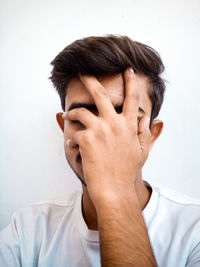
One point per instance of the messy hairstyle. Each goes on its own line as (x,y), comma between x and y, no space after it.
(97,55)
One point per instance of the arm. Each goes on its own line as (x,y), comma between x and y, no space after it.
(123,235)
(113,149)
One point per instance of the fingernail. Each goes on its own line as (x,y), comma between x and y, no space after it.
(131,70)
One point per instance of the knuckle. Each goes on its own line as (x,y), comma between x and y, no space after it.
(130,81)
(87,137)
(81,110)
(116,125)
(100,129)
(75,112)
(105,128)
(68,116)
(133,94)
(100,91)
(132,89)
(95,126)
(97,130)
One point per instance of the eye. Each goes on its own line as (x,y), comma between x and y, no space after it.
(75,121)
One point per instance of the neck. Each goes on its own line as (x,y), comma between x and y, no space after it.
(89,212)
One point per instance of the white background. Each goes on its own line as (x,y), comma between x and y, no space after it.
(32,160)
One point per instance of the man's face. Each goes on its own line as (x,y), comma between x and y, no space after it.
(78,96)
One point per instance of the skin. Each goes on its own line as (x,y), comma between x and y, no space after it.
(113,147)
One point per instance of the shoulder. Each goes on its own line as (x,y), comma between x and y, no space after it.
(177,209)
(58,205)
(63,200)
(33,227)
(174,197)
(170,208)
(177,223)
(46,214)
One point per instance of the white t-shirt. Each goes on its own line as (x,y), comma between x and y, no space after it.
(54,233)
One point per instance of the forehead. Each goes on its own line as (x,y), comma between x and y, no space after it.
(114,84)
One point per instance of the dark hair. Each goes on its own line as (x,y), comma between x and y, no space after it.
(111,54)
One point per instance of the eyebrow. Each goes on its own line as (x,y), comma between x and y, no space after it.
(93,107)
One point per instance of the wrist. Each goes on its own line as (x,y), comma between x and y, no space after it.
(117,201)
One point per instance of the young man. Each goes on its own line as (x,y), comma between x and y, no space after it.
(111,92)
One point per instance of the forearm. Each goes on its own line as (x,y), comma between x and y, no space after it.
(123,234)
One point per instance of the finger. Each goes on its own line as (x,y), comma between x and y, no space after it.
(82,115)
(75,139)
(131,101)
(99,95)
(70,143)
(144,133)
(144,125)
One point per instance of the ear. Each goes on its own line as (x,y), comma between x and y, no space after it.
(156,129)
(60,120)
